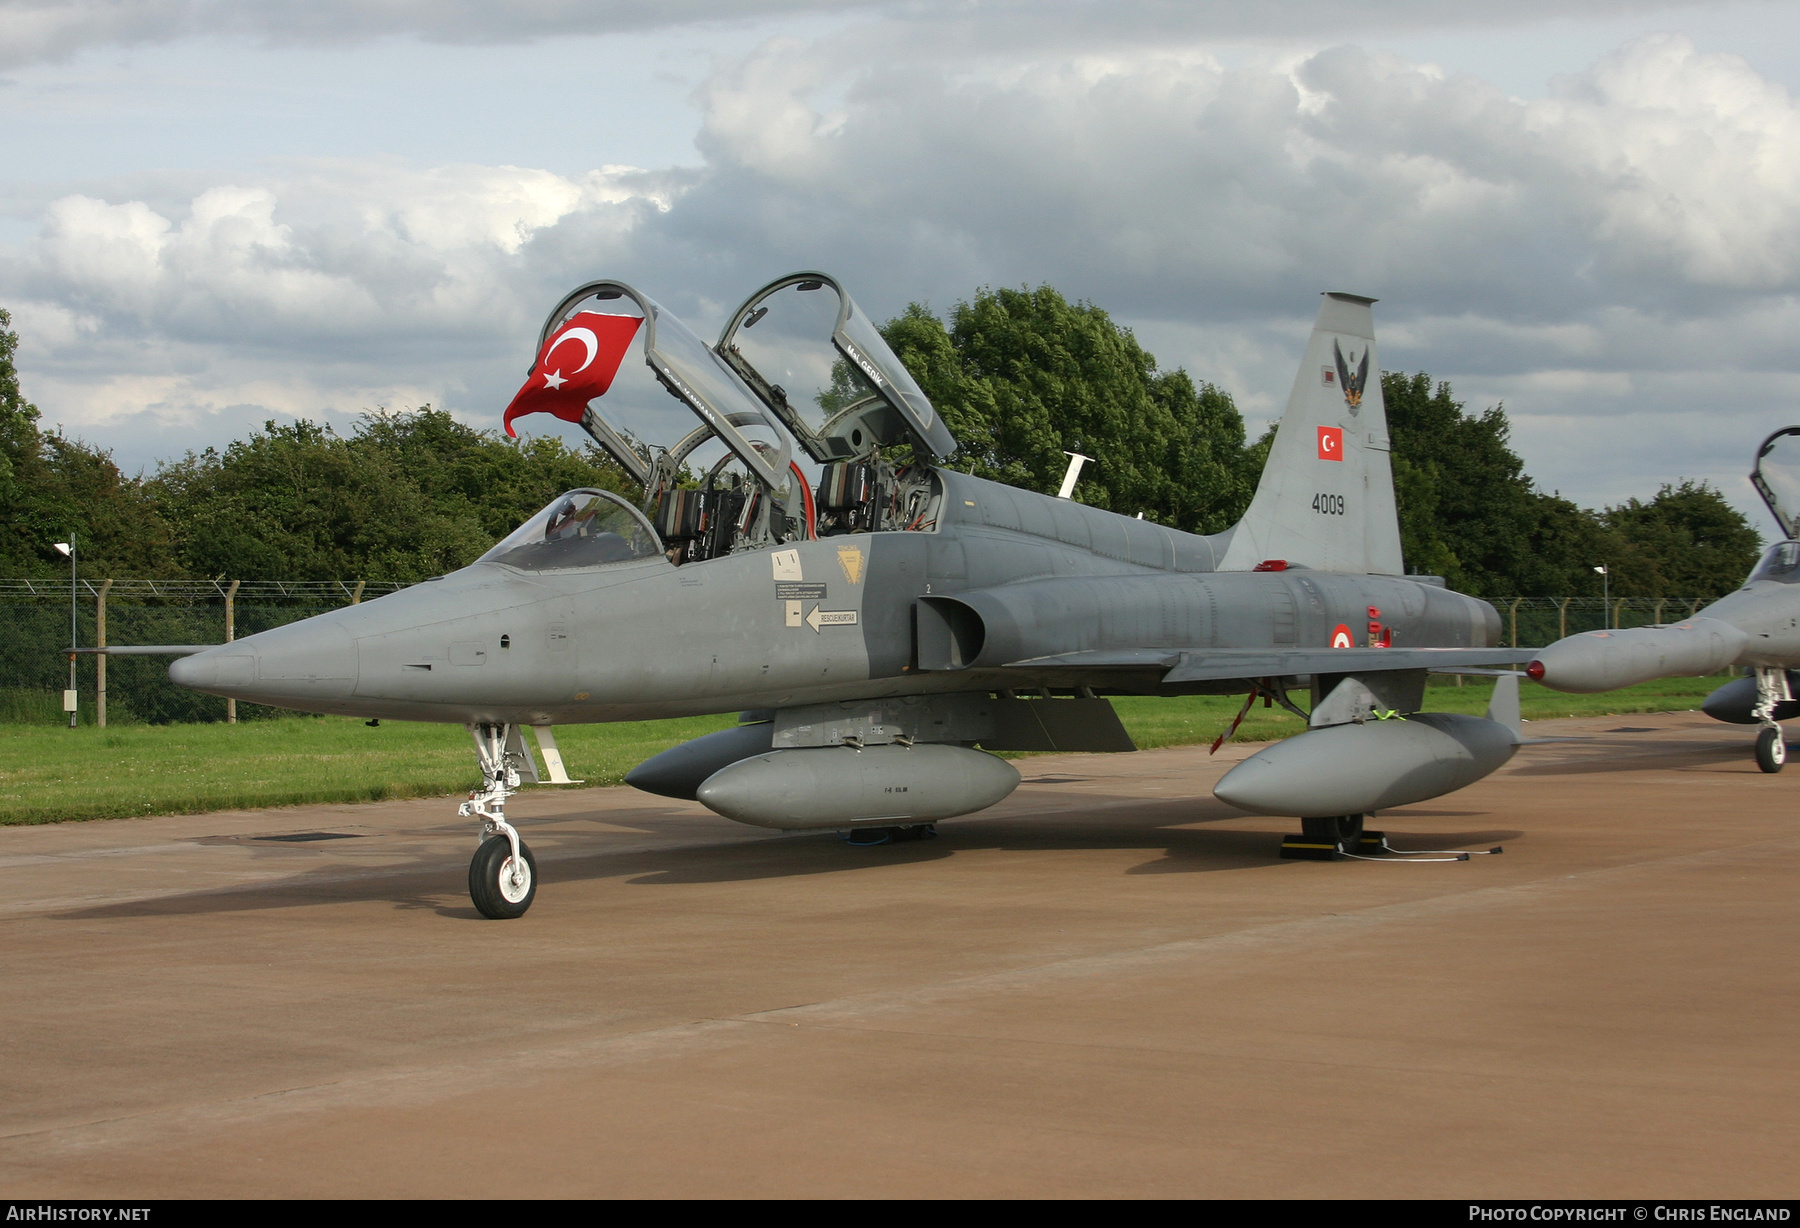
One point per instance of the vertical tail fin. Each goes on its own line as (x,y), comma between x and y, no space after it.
(1326,499)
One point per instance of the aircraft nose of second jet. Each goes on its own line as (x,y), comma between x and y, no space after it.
(314,659)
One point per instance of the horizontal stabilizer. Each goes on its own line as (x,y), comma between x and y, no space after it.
(143,650)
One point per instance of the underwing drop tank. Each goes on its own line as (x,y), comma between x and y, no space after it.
(1363,767)
(1607,660)
(681,770)
(840,786)
(1735,702)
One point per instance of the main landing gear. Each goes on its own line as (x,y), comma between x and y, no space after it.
(503,874)
(1331,837)
(868,837)
(1771,746)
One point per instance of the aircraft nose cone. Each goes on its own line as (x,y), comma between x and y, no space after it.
(310,660)
(195,671)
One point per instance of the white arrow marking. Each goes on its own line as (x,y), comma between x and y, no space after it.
(830,618)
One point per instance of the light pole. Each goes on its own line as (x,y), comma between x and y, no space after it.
(1606,593)
(68,548)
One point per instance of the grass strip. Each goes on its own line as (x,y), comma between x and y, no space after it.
(50,773)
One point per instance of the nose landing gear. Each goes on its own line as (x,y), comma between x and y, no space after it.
(1771,745)
(503,873)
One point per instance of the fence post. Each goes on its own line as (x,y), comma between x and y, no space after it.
(100,657)
(1562,618)
(231,634)
(1515,620)
(1657,617)
(356,597)
(1618,607)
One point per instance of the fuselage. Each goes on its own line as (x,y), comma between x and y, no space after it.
(816,621)
(1768,613)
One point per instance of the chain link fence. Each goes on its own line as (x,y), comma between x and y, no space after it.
(34,632)
(1536,621)
(34,638)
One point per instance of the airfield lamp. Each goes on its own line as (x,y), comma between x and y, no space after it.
(1606,593)
(68,548)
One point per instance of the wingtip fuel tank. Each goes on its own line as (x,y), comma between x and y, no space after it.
(1607,660)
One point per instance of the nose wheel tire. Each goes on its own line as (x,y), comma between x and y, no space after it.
(498,892)
(1771,750)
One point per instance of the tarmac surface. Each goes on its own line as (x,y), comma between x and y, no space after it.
(1108,985)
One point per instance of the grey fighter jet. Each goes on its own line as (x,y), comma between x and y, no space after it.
(879,616)
(1757,628)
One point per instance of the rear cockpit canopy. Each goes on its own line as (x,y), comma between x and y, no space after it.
(584,528)
(813,357)
(1776,476)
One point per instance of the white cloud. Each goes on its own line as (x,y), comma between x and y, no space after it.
(335,251)
(36,30)
(1604,253)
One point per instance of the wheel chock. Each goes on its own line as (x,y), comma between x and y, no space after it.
(1307,848)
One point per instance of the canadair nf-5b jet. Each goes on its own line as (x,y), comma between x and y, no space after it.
(1756,628)
(882,621)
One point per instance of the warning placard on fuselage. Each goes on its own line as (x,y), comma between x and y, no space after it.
(798,590)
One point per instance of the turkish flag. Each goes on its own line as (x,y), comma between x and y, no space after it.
(576,365)
(1331,443)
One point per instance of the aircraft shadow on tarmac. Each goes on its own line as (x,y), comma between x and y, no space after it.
(1673,756)
(1177,833)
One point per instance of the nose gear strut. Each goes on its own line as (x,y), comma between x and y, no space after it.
(503,873)
(1771,690)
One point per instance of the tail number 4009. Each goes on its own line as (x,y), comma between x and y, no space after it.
(1328,505)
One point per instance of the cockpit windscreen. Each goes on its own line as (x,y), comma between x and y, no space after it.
(584,528)
(1780,563)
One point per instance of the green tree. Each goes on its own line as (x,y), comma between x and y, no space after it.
(1685,542)
(1021,376)
(1466,505)
(407,496)
(51,485)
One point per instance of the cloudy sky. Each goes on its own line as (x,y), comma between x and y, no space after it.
(212,214)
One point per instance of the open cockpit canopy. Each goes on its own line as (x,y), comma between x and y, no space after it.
(798,361)
(691,372)
(816,359)
(1776,476)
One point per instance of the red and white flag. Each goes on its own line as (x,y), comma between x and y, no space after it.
(576,365)
(1331,443)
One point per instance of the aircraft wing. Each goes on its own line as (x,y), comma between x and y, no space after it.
(1223,664)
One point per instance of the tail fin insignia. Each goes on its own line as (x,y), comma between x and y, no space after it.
(1352,384)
